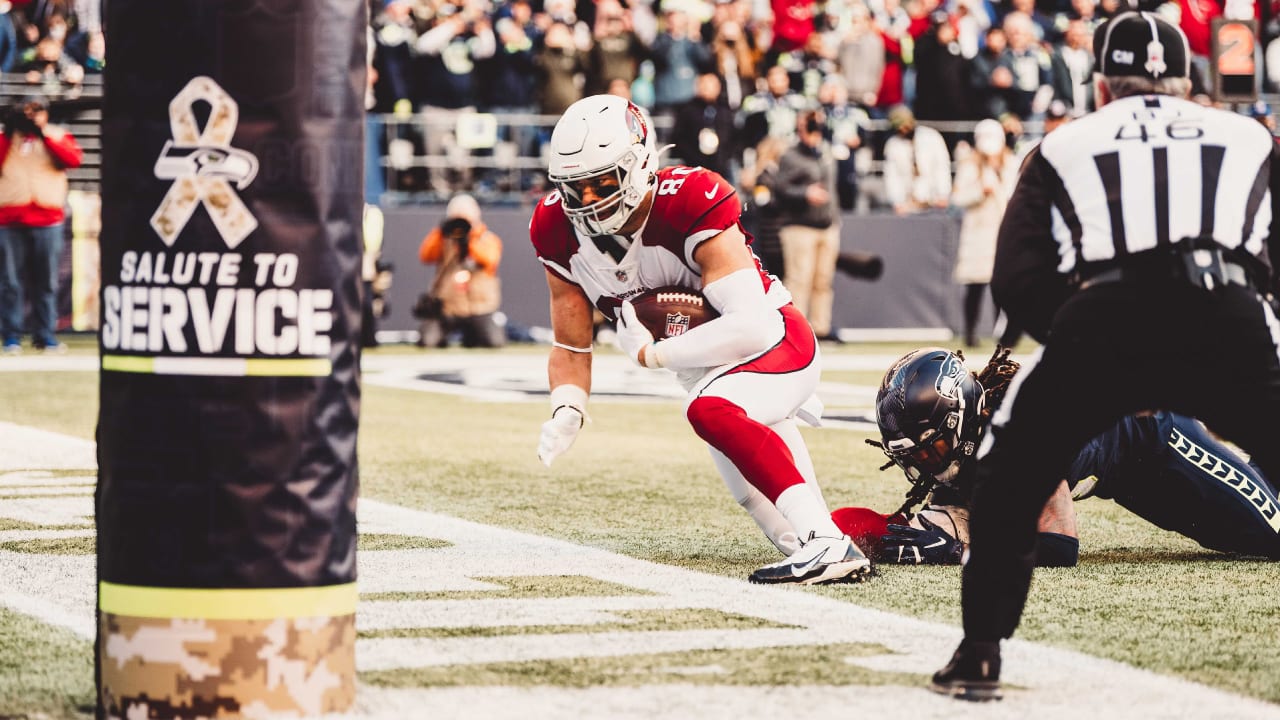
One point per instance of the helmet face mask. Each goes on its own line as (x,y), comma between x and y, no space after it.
(927,410)
(602,141)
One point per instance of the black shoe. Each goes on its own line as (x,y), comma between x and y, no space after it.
(973,673)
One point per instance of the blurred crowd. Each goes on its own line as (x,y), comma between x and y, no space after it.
(52,42)
(729,74)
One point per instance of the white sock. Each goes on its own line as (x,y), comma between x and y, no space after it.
(767,517)
(806,513)
(790,434)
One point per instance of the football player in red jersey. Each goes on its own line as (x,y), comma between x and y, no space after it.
(615,226)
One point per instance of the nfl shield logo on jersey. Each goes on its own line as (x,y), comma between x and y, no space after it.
(677,323)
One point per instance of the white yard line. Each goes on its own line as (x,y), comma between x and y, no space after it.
(1054,683)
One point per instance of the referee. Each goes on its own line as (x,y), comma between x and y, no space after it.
(1136,248)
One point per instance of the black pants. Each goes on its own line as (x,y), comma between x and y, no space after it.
(1114,349)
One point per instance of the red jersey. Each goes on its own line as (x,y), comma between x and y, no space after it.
(690,206)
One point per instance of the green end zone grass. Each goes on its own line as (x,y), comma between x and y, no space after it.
(639,482)
(45,672)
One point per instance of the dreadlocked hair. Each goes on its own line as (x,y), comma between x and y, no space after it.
(995,379)
(878,444)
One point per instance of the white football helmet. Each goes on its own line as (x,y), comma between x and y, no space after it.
(603,135)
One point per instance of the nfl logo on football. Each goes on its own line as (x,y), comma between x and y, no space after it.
(677,323)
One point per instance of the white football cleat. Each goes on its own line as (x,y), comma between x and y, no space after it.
(819,561)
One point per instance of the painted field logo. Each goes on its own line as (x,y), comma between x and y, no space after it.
(202,165)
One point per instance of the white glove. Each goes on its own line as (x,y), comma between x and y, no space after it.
(633,336)
(558,433)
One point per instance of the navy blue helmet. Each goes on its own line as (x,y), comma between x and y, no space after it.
(929,411)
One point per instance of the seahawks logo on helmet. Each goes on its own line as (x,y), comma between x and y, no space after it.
(951,374)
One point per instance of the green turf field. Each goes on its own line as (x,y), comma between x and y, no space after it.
(638,482)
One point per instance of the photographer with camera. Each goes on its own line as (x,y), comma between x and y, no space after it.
(466,291)
(810,232)
(34,157)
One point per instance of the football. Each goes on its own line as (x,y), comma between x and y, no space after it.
(670,311)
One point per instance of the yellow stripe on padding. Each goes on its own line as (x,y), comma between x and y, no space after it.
(227,604)
(218,366)
(289,367)
(128,363)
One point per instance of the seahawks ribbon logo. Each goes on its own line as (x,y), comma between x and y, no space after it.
(203,165)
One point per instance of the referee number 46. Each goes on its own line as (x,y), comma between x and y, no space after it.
(1180,129)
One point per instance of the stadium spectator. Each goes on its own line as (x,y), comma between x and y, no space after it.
(1056,116)
(704,132)
(1087,12)
(9,49)
(810,232)
(861,57)
(772,112)
(749,372)
(972,21)
(95,53)
(459,36)
(34,158)
(619,87)
(917,166)
(984,181)
(942,74)
(466,286)
(46,63)
(678,56)
(846,130)
(617,52)
(1030,79)
(1072,66)
(512,84)
(792,25)
(561,69)
(893,26)
(395,33)
(736,61)
(807,66)
(1043,29)
(991,79)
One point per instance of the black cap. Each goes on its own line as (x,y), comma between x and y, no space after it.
(1140,44)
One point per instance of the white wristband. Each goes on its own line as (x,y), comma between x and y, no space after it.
(568,395)
(651,358)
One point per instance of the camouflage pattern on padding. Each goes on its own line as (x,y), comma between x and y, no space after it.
(162,668)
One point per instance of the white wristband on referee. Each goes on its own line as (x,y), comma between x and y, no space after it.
(571,396)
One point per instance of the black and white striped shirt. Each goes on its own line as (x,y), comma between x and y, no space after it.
(1139,174)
